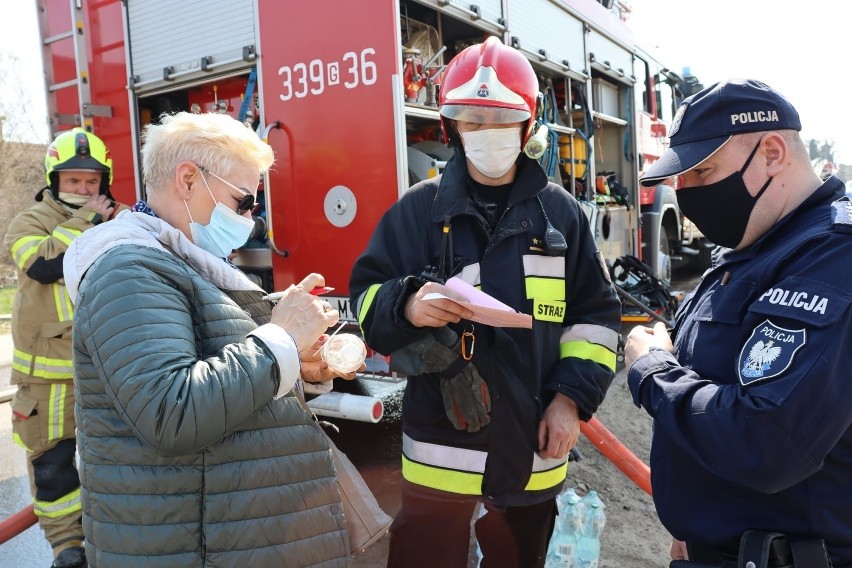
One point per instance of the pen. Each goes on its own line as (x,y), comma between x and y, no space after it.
(317,291)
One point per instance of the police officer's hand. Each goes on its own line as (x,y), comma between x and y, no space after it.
(102,205)
(315,370)
(303,316)
(559,429)
(437,312)
(678,550)
(641,339)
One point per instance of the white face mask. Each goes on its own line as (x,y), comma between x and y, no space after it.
(494,151)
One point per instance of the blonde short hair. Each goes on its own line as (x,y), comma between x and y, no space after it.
(210,140)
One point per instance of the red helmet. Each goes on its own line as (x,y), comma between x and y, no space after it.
(489,82)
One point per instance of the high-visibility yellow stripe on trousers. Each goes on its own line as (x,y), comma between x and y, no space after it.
(460,470)
(56,411)
(48,368)
(63,506)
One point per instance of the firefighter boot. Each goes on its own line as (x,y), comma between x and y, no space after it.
(74,557)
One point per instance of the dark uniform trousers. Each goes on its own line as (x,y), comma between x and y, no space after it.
(513,537)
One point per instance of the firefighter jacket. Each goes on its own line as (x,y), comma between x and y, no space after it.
(571,348)
(194,448)
(751,412)
(37,239)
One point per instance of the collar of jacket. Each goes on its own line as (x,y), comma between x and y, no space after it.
(55,205)
(453,197)
(797,221)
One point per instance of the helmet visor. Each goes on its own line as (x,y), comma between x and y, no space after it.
(484,114)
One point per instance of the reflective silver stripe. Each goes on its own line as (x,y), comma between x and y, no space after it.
(541,464)
(471,274)
(540,265)
(65,234)
(447,457)
(596,334)
(64,307)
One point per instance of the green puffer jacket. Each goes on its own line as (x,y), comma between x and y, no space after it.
(187,457)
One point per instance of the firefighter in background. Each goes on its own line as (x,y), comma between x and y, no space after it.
(79,173)
(489,414)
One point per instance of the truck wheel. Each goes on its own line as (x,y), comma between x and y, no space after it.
(664,257)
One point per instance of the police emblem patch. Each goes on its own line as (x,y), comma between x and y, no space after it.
(768,352)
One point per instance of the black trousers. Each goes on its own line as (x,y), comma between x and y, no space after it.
(432,529)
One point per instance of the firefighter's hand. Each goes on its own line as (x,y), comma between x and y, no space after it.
(315,370)
(437,312)
(559,429)
(641,339)
(678,550)
(102,205)
(303,316)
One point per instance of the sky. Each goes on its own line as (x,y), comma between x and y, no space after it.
(802,50)
(803,53)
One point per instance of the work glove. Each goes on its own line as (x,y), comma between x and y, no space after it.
(466,399)
(433,353)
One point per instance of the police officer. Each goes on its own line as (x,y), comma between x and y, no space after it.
(78,174)
(489,413)
(752,448)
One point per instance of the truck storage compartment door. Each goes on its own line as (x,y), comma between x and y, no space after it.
(191,39)
(331,79)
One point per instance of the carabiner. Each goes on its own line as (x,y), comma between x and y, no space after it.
(467,336)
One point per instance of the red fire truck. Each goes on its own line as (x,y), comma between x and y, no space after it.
(344,91)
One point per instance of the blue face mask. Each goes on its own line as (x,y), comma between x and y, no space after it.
(225,232)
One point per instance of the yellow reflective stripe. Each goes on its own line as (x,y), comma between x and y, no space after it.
(592,333)
(366,303)
(24,248)
(59,508)
(64,307)
(438,478)
(49,368)
(65,235)
(56,412)
(547,479)
(21,361)
(589,352)
(18,440)
(545,288)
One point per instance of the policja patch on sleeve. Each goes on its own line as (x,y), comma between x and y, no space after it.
(768,352)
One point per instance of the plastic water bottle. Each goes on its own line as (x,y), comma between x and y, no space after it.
(563,543)
(588,550)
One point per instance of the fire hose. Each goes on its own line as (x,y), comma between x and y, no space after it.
(605,441)
(17,523)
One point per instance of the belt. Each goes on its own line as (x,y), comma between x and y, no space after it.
(759,549)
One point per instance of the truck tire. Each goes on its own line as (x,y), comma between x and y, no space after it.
(664,256)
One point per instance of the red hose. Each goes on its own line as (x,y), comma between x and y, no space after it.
(616,452)
(17,523)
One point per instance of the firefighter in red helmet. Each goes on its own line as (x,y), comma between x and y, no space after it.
(78,171)
(489,413)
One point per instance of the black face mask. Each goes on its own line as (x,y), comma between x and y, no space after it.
(721,210)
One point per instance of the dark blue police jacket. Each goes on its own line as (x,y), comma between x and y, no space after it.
(752,413)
